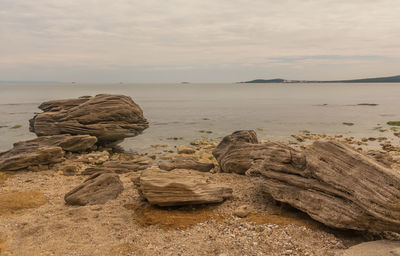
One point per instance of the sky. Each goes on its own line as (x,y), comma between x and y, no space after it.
(156,41)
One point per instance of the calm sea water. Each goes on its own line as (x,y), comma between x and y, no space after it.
(182,110)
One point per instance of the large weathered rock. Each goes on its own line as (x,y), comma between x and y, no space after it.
(180,187)
(23,156)
(237,152)
(97,189)
(330,181)
(77,143)
(185,163)
(110,118)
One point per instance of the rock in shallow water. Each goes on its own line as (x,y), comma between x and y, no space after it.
(110,118)
(330,181)
(97,189)
(180,187)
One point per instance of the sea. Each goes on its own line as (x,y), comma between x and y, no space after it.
(193,111)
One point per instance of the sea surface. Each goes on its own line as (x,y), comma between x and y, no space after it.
(191,111)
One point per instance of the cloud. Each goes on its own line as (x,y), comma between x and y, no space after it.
(87,35)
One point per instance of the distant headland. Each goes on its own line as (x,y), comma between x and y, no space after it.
(389,79)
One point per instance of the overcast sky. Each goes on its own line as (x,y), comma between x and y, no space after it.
(198,40)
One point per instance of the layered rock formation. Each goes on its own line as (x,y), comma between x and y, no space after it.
(21,157)
(180,187)
(77,143)
(43,151)
(110,118)
(330,181)
(97,189)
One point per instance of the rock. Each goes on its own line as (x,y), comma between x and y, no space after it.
(22,156)
(330,181)
(229,153)
(374,248)
(69,170)
(43,151)
(242,211)
(180,187)
(67,142)
(97,189)
(110,118)
(185,163)
(132,165)
(186,150)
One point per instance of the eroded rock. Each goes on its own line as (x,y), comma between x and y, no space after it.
(67,142)
(180,187)
(330,181)
(110,118)
(97,189)
(23,156)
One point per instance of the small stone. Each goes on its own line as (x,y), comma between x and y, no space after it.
(242,211)
(186,150)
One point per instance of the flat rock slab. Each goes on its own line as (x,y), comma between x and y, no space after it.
(375,248)
(23,156)
(110,118)
(185,163)
(43,151)
(329,180)
(180,187)
(97,189)
(67,142)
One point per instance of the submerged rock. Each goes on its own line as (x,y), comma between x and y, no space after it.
(330,181)
(180,187)
(110,118)
(97,189)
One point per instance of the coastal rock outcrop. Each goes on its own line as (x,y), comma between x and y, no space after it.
(329,180)
(110,118)
(97,189)
(43,151)
(21,157)
(67,142)
(180,187)
(185,163)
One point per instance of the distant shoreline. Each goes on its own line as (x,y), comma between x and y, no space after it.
(389,79)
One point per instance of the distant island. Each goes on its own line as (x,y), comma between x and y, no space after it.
(389,79)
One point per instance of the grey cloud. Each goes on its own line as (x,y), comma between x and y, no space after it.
(85,36)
